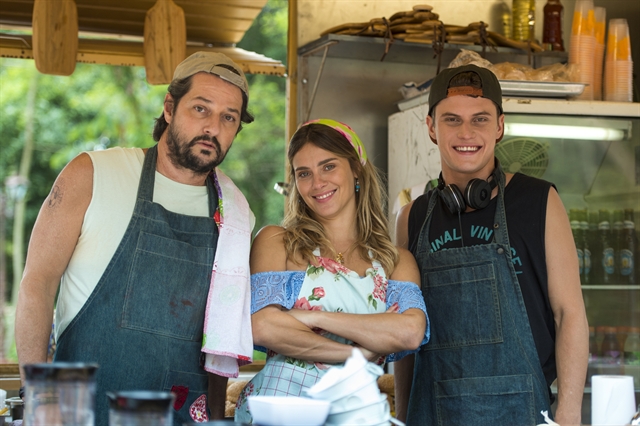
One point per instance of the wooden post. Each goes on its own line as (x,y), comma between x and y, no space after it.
(55,36)
(165,41)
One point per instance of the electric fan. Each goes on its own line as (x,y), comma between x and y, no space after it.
(524,155)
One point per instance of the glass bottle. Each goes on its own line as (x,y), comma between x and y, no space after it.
(585,278)
(627,249)
(574,220)
(616,236)
(593,238)
(522,13)
(552,26)
(607,258)
(611,352)
(632,355)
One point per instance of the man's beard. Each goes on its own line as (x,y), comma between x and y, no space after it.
(181,155)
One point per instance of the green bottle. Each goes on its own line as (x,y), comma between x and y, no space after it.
(607,254)
(593,238)
(627,250)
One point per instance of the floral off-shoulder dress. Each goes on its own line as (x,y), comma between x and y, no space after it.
(328,287)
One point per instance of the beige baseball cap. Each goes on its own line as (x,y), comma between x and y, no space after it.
(211,62)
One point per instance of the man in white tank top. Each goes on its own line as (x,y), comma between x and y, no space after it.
(98,238)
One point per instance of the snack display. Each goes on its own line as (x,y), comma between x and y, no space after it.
(513,71)
(423,25)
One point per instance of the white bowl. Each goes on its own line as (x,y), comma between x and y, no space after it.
(346,385)
(367,394)
(287,410)
(368,414)
(385,422)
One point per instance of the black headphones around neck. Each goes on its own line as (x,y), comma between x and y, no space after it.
(476,195)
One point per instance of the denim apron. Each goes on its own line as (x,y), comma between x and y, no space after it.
(143,322)
(481,366)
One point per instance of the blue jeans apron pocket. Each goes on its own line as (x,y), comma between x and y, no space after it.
(156,285)
(468,299)
(490,401)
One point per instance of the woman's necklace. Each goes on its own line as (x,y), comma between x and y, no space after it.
(340,255)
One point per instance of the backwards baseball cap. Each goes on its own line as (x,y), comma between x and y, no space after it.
(213,63)
(490,86)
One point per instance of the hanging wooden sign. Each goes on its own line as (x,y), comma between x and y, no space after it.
(55,36)
(165,41)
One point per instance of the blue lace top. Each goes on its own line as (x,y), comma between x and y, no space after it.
(283,288)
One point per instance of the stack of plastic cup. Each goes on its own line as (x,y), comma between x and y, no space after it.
(599,30)
(618,67)
(582,45)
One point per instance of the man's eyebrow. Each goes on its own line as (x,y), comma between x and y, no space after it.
(209,101)
(203,99)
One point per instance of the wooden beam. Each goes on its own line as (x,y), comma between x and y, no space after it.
(130,53)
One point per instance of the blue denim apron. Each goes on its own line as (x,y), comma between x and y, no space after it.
(143,322)
(481,366)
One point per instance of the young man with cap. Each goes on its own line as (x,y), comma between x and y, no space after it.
(499,277)
(134,240)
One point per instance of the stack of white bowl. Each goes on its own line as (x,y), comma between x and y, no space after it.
(354,394)
(583,44)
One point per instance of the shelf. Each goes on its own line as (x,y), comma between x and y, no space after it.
(372,49)
(610,287)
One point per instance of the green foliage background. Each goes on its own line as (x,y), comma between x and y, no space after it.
(101,106)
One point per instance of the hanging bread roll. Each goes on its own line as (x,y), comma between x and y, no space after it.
(422,8)
(342,27)
(426,16)
(501,40)
(399,15)
(406,20)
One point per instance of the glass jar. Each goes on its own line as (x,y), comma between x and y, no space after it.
(140,408)
(60,394)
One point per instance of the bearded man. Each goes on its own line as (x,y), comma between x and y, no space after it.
(129,238)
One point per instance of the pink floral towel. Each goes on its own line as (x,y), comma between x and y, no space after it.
(227,341)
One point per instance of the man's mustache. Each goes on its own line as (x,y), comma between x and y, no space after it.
(206,138)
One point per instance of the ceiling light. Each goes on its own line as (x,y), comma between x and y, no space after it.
(564,132)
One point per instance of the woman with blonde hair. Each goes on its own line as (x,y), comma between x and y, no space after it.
(319,282)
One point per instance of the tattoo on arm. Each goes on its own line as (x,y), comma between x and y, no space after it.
(55,196)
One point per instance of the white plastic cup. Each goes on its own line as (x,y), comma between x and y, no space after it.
(612,400)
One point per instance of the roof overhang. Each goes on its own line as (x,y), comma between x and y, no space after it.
(111,31)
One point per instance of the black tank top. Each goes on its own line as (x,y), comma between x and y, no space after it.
(526,209)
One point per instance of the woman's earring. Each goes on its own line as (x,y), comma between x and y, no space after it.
(357,185)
